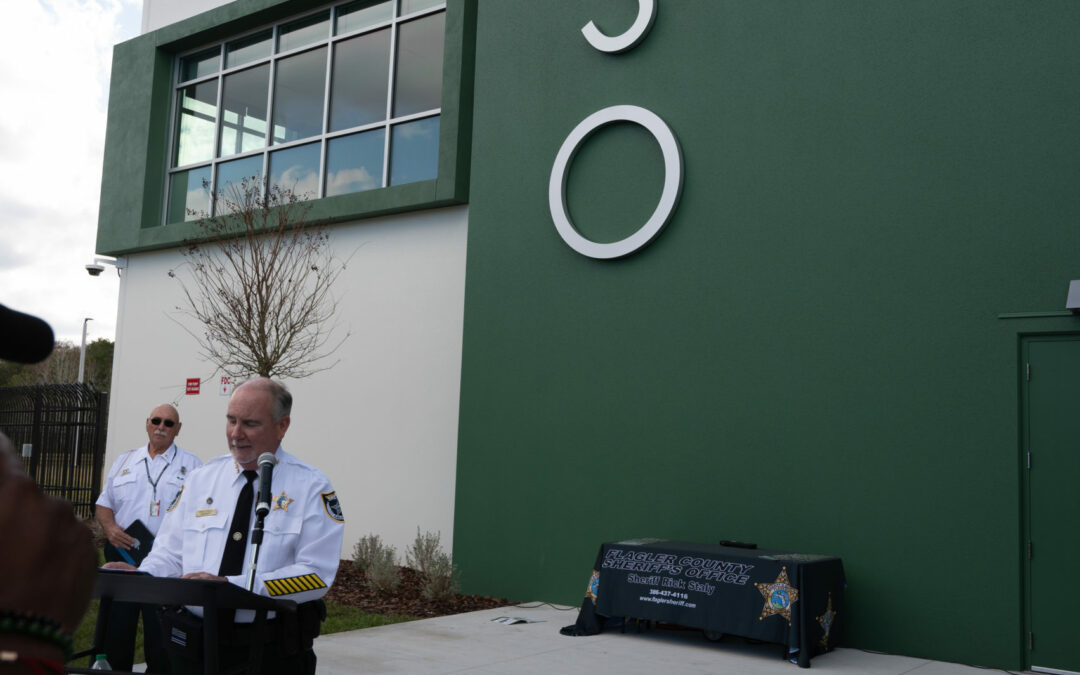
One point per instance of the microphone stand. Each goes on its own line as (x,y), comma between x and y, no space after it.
(256,542)
(262,507)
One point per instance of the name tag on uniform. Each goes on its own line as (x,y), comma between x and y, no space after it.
(205,512)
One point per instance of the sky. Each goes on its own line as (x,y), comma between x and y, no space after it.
(55,58)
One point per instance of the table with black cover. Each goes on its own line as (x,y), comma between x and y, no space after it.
(791,599)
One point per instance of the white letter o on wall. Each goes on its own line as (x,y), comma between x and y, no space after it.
(669,197)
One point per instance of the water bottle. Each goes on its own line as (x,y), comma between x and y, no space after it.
(101,663)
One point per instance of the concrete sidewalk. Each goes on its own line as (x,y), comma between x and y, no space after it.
(472,643)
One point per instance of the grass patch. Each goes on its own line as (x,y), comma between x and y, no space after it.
(339,618)
(84,637)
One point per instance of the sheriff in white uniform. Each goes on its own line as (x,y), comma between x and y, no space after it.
(302,538)
(140,486)
(302,534)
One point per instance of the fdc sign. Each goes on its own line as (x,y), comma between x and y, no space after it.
(669,148)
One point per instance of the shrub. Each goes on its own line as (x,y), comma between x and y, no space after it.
(421,555)
(378,561)
(441,581)
(439,574)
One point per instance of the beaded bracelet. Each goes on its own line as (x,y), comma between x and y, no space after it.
(37,627)
(38,666)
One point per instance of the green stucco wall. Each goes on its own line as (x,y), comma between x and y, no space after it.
(815,354)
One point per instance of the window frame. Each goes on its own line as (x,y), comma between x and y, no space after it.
(138,152)
(329,42)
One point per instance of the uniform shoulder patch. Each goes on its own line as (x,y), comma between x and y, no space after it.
(333,506)
(304,582)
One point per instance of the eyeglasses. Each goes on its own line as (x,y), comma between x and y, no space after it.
(154,421)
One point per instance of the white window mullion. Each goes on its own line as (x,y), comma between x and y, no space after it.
(394,27)
(330,45)
(174,121)
(217,129)
(271,86)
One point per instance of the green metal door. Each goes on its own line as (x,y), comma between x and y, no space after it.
(1051,461)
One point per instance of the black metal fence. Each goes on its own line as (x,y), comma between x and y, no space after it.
(59,429)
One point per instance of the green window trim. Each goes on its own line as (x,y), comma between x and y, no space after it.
(134,175)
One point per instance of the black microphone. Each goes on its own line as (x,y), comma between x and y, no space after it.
(266,471)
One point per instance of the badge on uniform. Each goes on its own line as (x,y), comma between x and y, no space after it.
(205,512)
(282,502)
(176,500)
(333,506)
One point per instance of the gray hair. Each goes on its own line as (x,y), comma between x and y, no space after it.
(281,395)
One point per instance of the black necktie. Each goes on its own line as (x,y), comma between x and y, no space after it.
(232,560)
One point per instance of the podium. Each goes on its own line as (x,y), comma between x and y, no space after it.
(123,586)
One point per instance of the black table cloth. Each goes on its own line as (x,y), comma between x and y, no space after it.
(791,599)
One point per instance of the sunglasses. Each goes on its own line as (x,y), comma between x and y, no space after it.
(154,421)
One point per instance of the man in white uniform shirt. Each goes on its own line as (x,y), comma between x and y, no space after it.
(300,551)
(139,489)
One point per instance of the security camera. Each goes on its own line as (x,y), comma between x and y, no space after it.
(94,269)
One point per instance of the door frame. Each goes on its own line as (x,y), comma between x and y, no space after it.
(1025,340)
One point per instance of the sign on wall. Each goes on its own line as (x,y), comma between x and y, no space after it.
(669,148)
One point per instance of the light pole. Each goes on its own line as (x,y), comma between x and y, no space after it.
(82,350)
(82,369)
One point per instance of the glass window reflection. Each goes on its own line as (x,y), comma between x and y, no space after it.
(362,14)
(246,50)
(355,163)
(297,169)
(229,177)
(306,31)
(264,103)
(199,65)
(298,96)
(418,86)
(243,118)
(414,151)
(360,79)
(189,195)
(410,6)
(197,117)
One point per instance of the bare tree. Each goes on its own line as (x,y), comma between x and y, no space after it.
(260,282)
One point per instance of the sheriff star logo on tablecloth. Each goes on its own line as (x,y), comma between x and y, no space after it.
(594,585)
(779,596)
(282,502)
(826,620)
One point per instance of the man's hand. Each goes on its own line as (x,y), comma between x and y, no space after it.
(203,575)
(113,532)
(118,538)
(118,566)
(50,564)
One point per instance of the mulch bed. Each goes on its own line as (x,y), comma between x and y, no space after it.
(350,588)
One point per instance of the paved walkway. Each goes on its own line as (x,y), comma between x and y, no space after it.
(473,643)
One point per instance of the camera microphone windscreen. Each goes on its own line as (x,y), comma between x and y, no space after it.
(24,338)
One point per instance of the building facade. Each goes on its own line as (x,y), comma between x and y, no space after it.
(789,273)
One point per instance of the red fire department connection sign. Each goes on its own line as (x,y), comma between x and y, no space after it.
(193,385)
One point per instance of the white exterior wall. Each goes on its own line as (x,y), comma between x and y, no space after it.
(158,13)
(382,423)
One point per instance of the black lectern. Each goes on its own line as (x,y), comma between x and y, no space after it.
(126,586)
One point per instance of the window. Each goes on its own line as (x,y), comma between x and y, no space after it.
(341,100)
